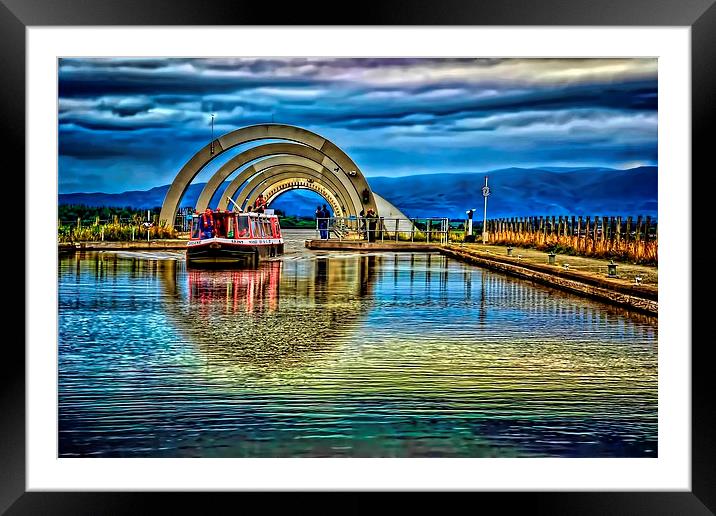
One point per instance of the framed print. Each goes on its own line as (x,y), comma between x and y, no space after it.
(413,252)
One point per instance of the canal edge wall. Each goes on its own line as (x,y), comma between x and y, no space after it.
(611,295)
(69,247)
(641,298)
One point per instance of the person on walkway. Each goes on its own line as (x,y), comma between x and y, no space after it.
(326,216)
(372,223)
(319,221)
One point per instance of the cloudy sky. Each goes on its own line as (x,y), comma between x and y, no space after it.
(130,124)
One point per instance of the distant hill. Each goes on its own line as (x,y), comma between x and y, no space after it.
(519,192)
(514,192)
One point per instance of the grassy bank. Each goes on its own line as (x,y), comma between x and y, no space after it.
(112,232)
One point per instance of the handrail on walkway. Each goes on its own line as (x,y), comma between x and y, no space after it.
(374,229)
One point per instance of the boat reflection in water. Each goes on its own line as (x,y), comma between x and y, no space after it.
(243,290)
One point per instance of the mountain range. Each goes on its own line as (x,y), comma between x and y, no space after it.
(514,192)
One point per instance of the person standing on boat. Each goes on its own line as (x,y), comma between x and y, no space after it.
(260,204)
(206,224)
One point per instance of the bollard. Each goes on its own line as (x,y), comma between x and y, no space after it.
(612,268)
(551,258)
(509,251)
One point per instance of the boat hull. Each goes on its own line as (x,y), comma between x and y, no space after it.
(228,253)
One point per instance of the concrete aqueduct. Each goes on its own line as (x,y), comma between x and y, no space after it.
(303,160)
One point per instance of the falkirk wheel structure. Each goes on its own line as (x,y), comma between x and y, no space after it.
(293,158)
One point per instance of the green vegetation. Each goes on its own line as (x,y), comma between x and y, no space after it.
(120,224)
(71,212)
(296,222)
(113,233)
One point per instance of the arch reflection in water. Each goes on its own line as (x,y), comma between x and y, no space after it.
(280,315)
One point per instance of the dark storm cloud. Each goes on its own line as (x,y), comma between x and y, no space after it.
(151,114)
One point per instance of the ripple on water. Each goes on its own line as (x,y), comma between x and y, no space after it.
(360,355)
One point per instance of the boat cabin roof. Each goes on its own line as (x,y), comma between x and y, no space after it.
(254,214)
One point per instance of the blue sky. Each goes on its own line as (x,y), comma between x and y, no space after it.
(130,124)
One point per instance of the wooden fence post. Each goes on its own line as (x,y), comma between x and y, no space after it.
(587,234)
(596,232)
(605,227)
(638,228)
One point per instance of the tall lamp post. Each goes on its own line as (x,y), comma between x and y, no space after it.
(485,194)
(212,134)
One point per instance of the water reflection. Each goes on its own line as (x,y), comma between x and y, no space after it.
(245,290)
(359,355)
(280,315)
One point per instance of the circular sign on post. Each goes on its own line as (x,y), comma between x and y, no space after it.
(485,191)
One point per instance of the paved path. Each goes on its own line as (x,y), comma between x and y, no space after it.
(625,271)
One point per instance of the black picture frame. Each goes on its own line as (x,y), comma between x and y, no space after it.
(699,15)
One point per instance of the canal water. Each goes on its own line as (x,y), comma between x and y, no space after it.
(344,355)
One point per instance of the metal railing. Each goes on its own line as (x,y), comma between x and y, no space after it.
(381,229)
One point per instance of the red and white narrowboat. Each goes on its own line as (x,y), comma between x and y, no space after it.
(227,238)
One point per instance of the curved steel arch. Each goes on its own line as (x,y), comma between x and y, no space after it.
(281,173)
(280,187)
(252,133)
(298,181)
(336,189)
(351,196)
(254,153)
(264,180)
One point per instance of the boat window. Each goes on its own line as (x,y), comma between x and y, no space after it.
(276,228)
(194,228)
(256,228)
(218,224)
(230,225)
(243,227)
